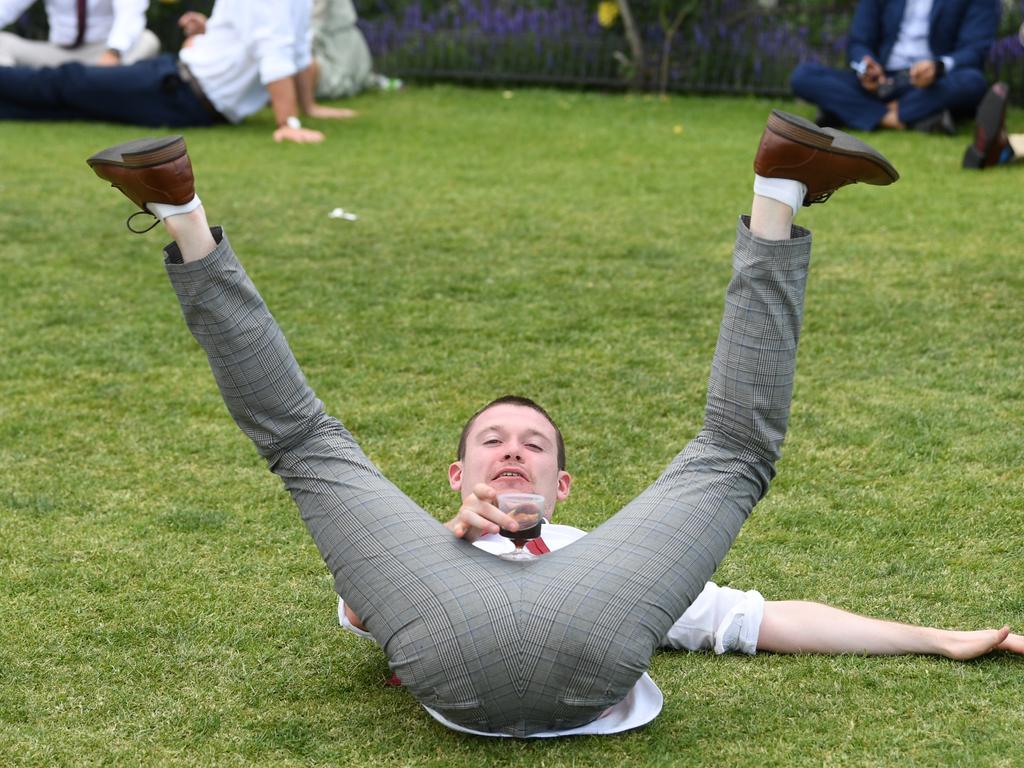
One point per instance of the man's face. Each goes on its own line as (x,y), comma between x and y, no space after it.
(511,448)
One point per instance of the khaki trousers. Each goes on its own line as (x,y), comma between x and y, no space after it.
(18,52)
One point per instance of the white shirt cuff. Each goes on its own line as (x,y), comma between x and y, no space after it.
(277,66)
(125,31)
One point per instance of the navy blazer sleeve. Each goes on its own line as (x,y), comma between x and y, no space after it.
(964,30)
(866,31)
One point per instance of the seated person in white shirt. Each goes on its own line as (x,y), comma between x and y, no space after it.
(342,64)
(721,619)
(104,32)
(252,52)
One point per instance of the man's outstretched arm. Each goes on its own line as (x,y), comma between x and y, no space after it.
(797,626)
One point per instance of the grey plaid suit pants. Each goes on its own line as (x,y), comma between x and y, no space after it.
(493,645)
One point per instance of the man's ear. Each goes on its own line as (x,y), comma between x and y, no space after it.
(455,476)
(564,483)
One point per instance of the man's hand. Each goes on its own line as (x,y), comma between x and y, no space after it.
(922,73)
(298,135)
(109,58)
(478,515)
(872,76)
(330,113)
(192,23)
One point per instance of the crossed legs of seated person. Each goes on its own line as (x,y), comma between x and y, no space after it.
(451,617)
(16,51)
(877,100)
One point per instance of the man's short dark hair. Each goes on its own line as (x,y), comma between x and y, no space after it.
(524,402)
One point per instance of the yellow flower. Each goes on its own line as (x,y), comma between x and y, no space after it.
(607,13)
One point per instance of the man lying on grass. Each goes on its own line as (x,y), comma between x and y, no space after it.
(558,644)
(722,619)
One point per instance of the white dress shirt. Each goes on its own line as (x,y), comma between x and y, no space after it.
(116,22)
(248,44)
(912,43)
(720,619)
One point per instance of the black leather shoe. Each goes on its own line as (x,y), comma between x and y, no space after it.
(940,122)
(825,119)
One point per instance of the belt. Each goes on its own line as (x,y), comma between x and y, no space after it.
(190,80)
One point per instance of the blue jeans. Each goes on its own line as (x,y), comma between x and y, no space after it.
(145,93)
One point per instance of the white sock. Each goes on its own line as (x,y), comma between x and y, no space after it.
(163,210)
(788,191)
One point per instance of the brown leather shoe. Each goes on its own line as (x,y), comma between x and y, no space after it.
(822,158)
(148,170)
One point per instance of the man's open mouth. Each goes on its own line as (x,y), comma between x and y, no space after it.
(510,474)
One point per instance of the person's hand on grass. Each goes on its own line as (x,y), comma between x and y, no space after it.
(298,135)
(1013,643)
(478,515)
(970,645)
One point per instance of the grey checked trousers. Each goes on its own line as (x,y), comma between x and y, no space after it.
(493,645)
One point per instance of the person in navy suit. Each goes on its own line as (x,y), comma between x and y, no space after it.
(913,64)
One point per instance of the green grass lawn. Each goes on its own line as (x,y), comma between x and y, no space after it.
(161,602)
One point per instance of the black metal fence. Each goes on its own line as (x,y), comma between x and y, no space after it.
(735,46)
(703,46)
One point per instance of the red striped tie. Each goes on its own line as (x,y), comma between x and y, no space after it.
(537,547)
(81,24)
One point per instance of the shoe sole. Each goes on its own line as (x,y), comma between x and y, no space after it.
(991,113)
(973,159)
(802,131)
(141,153)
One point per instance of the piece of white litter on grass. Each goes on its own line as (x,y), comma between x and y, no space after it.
(341,213)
